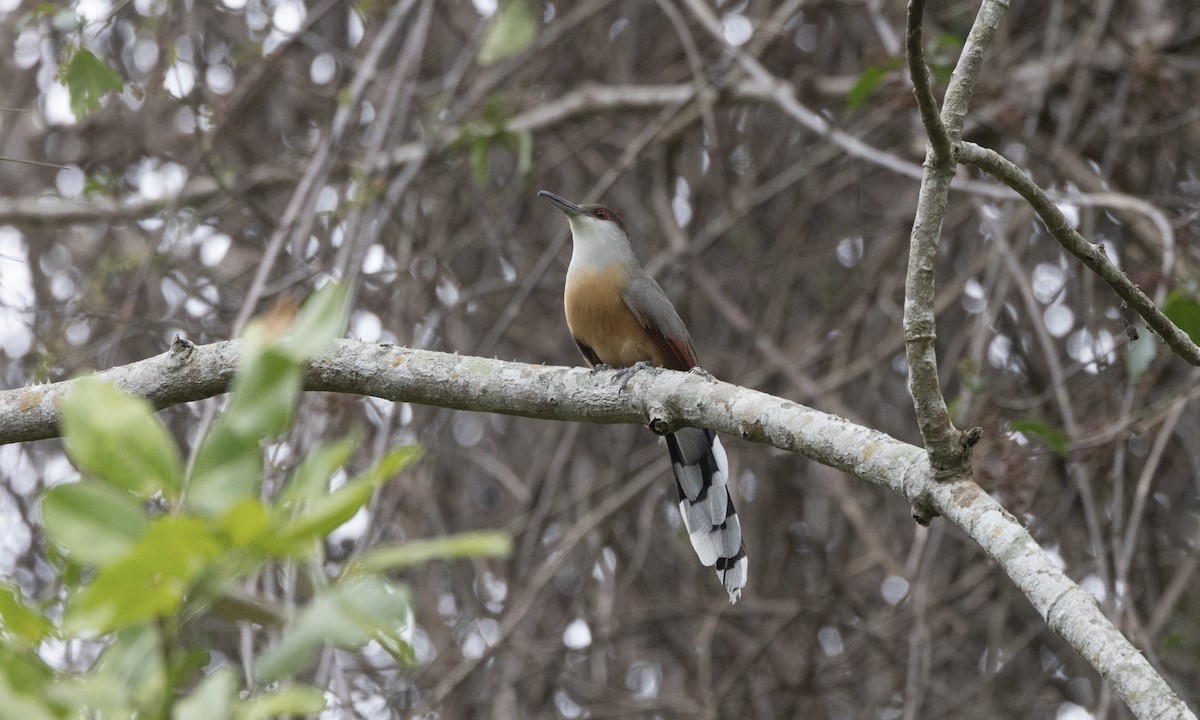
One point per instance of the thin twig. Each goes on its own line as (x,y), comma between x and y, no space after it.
(966,71)
(939,139)
(36,163)
(1066,409)
(1092,256)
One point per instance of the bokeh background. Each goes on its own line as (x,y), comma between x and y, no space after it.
(763,154)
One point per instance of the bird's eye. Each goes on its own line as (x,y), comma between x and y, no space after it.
(601,214)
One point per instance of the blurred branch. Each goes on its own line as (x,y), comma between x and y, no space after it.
(1091,255)
(586,99)
(298,216)
(764,85)
(36,163)
(664,400)
(1062,399)
(58,210)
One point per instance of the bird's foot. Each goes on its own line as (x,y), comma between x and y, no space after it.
(626,374)
(703,373)
(599,368)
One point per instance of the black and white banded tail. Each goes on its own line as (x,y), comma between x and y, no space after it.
(701,474)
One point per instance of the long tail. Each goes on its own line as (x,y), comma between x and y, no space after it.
(701,470)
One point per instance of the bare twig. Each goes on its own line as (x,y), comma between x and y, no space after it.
(966,71)
(1066,409)
(1092,255)
(939,139)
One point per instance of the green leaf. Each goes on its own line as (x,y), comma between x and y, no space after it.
(228,465)
(392,463)
(92,521)
(212,698)
(20,624)
(1051,437)
(287,700)
(512,32)
(246,522)
(264,395)
(262,400)
(88,79)
(944,43)
(320,321)
(348,615)
(20,698)
(150,581)
(228,470)
(129,672)
(418,552)
(1184,312)
(117,438)
(941,55)
(322,517)
(326,513)
(479,160)
(866,84)
(311,478)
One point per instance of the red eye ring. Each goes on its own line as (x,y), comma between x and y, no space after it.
(601,214)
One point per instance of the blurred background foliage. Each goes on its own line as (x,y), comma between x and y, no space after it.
(211,158)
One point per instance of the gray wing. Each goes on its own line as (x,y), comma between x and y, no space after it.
(655,313)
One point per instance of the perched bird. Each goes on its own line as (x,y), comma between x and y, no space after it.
(619,317)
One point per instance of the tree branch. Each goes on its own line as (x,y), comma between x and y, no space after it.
(966,70)
(1092,256)
(914,54)
(663,399)
(947,451)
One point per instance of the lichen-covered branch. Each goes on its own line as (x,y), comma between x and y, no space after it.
(664,400)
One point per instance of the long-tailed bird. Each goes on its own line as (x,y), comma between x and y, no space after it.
(620,317)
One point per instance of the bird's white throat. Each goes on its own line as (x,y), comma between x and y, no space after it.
(598,245)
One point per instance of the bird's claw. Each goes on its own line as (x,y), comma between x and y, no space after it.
(626,374)
(599,368)
(703,373)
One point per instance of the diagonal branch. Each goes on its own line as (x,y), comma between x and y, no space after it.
(1091,255)
(664,400)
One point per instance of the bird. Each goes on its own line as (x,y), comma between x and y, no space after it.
(620,317)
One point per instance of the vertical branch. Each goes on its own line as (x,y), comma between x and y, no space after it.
(966,72)
(948,448)
(914,54)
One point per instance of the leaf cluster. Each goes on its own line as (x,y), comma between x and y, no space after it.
(147,551)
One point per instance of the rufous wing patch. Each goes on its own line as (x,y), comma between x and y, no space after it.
(677,353)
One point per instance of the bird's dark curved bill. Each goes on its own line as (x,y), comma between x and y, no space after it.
(560,202)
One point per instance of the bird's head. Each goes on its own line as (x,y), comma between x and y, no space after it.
(593,227)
